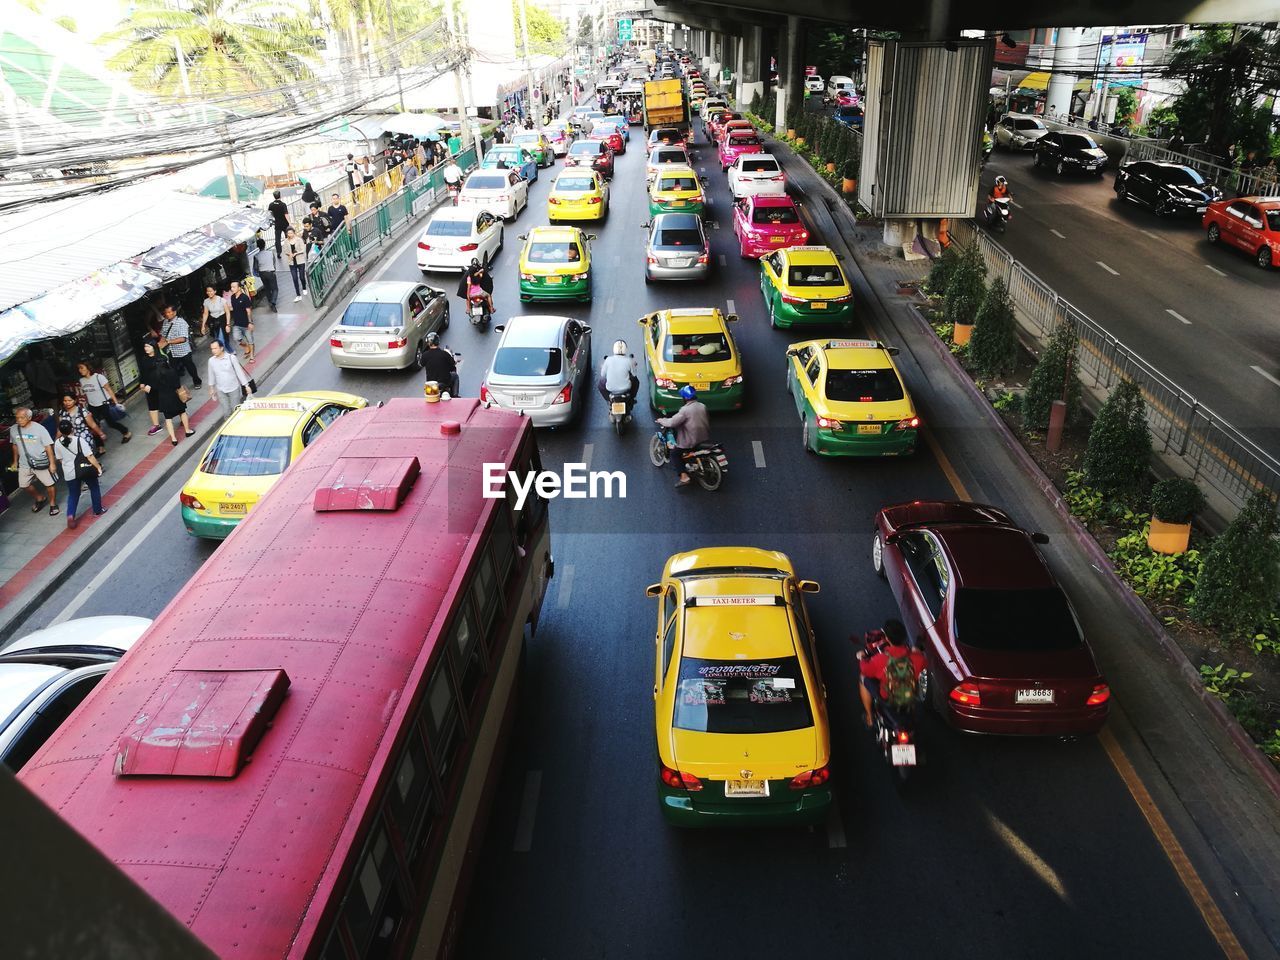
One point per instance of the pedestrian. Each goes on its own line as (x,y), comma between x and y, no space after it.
(229,382)
(160,379)
(309,194)
(319,224)
(440,150)
(150,357)
(337,212)
(266,263)
(176,339)
(295,253)
(78,466)
(366,170)
(499,135)
(214,313)
(242,319)
(279,211)
(410,173)
(99,397)
(84,422)
(33,460)
(350,169)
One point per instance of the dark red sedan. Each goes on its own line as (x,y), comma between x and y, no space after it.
(1005,651)
(595,154)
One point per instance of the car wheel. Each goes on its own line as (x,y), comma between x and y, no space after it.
(805,436)
(1059,168)
(502,239)
(419,354)
(1264,258)
(444,318)
(1122,192)
(877,555)
(1214,233)
(773,315)
(922,686)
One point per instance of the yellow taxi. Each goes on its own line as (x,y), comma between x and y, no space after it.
(692,346)
(579,193)
(248,455)
(555,264)
(805,285)
(740,709)
(851,399)
(676,189)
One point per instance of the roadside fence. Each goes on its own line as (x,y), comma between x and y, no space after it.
(1256,182)
(1200,444)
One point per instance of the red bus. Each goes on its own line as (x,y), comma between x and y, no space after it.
(294,759)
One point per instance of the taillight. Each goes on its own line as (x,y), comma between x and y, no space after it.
(651,259)
(787,298)
(187,500)
(778,177)
(904,737)
(396,344)
(579,276)
(679,781)
(1101,694)
(845,299)
(484,393)
(526,276)
(731,381)
(907,423)
(423,246)
(469,246)
(552,200)
(504,196)
(703,258)
(829,424)
(565,395)
(804,234)
(594,200)
(810,778)
(966,694)
(664,383)
(335,342)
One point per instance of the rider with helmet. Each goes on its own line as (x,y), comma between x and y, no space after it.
(887,661)
(692,426)
(439,365)
(999,190)
(618,375)
(476,282)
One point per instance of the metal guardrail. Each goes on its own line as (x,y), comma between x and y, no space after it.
(1255,183)
(1207,447)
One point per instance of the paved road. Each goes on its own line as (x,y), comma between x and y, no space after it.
(1010,848)
(1204,316)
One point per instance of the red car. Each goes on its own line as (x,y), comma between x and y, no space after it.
(1004,648)
(716,121)
(596,154)
(764,224)
(1251,223)
(736,143)
(610,134)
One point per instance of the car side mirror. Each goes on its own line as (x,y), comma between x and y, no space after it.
(892,351)
(647,224)
(588,237)
(809,586)
(499,327)
(643,321)
(585,329)
(522,236)
(1041,538)
(893,538)
(793,353)
(732,318)
(653,590)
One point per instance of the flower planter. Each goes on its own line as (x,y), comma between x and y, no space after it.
(791,133)
(799,141)
(831,168)
(961,333)
(849,185)
(1168,537)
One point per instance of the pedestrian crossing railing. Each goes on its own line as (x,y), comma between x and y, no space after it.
(1254,182)
(1195,440)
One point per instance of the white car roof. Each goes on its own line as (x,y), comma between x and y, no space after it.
(119,633)
(466,214)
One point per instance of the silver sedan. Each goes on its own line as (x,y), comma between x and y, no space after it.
(542,368)
(677,249)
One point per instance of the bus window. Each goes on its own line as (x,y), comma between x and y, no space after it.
(535,507)
(372,879)
(504,548)
(485,587)
(334,950)
(414,793)
(444,719)
(469,657)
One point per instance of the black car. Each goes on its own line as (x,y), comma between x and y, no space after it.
(1166,188)
(591,153)
(1065,150)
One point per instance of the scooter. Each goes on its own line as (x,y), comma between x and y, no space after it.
(997,214)
(894,729)
(707,464)
(619,411)
(478,311)
(454,189)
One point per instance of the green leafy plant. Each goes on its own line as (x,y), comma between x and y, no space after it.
(1006,401)
(1118,456)
(1054,375)
(757,102)
(1084,502)
(966,286)
(1176,500)
(1241,580)
(1155,576)
(941,269)
(943,329)
(1271,745)
(994,347)
(1223,681)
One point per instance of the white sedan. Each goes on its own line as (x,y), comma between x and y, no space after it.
(757,175)
(504,193)
(456,235)
(814,83)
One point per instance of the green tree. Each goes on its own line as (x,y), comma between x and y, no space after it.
(228,46)
(994,347)
(546,33)
(966,286)
(1054,374)
(1238,586)
(941,269)
(1118,456)
(1126,103)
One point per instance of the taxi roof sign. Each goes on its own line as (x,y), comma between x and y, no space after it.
(807,249)
(854,345)
(768,600)
(275,403)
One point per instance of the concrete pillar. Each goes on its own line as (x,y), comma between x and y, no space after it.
(748,79)
(789,70)
(1066,55)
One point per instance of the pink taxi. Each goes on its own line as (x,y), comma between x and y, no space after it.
(736,143)
(765,224)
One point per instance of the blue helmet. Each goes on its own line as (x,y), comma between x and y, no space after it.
(688,392)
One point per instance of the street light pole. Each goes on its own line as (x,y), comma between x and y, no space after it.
(528,69)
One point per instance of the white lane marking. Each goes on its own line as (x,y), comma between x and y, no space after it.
(608,305)
(1214,269)
(528,810)
(1177,316)
(110,567)
(587,450)
(757,449)
(1028,856)
(1261,372)
(835,827)
(732,308)
(1114,273)
(1060,236)
(566,587)
(1149,234)
(722,260)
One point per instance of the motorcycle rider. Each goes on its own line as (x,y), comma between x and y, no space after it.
(476,282)
(618,375)
(692,426)
(886,656)
(452,174)
(439,365)
(999,191)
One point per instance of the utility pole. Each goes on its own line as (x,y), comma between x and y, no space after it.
(528,68)
(456,28)
(395,54)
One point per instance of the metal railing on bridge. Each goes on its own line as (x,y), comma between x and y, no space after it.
(1255,182)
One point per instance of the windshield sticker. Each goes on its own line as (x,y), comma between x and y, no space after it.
(763,691)
(746,671)
(701,693)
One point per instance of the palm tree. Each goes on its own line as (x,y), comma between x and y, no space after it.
(226,46)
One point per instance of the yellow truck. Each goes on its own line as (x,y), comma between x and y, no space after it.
(665,105)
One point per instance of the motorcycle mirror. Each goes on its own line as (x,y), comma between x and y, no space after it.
(588,237)
(1038,537)
(646,225)
(653,590)
(809,586)
(643,321)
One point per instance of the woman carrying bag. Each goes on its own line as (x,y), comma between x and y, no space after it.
(102,400)
(160,380)
(82,422)
(78,466)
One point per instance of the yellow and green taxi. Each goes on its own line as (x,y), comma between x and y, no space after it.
(805,285)
(740,709)
(851,399)
(692,346)
(676,189)
(555,264)
(248,455)
(536,142)
(579,193)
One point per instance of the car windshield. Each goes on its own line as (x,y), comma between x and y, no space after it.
(482,181)
(360,314)
(758,166)
(735,696)
(554,251)
(678,237)
(527,361)
(1015,620)
(1028,124)
(678,183)
(233,456)
(449,228)
(575,183)
(525,138)
(815,275)
(1078,141)
(1182,177)
(774,215)
(696,347)
(590,147)
(863,386)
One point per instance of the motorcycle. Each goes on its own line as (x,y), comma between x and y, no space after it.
(894,729)
(478,311)
(997,214)
(619,411)
(454,189)
(707,464)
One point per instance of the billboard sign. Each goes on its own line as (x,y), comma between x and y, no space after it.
(1120,59)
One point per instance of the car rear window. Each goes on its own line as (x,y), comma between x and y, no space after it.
(771,215)
(575,183)
(736,696)
(679,237)
(863,386)
(1015,620)
(360,314)
(756,166)
(481,181)
(666,133)
(670,156)
(1028,124)
(233,456)
(527,362)
(449,228)
(589,147)
(678,183)
(696,347)
(815,275)
(742,139)
(553,251)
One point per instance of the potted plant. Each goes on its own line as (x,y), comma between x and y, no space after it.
(850,176)
(1174,504)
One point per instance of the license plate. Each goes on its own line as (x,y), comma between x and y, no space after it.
(237,508)
(776,239)
(555,279)
(869,428)
(525,399)
(1034,696)
(746,788)
(619,408)
(818,306)
(677,203)
(903,754)
(356,346)
(1201,209)
(680,262)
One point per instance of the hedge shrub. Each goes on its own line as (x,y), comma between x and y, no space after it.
(1118,456)
(994,347)
(1238,587)
(1176,500)
(1050,375)
(966,287)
